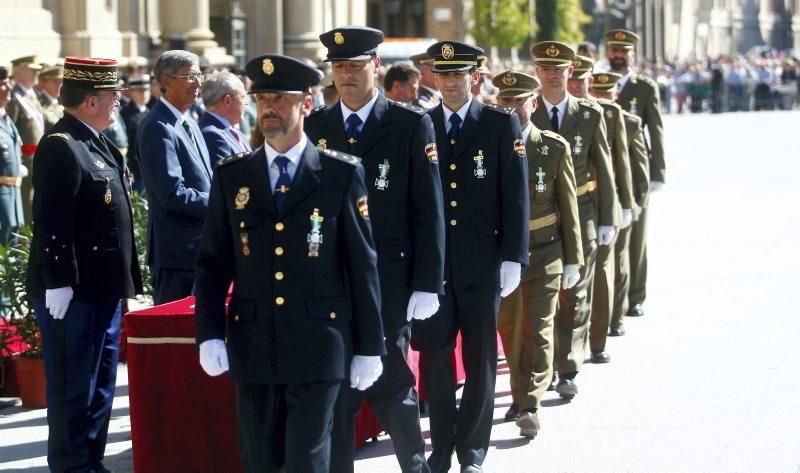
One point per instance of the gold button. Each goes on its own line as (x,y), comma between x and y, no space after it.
(94,248)
(332,315)
(279,251)
(241,224)
(496,232)
(280,300)
(453,203)
(452,167)
(279,226)
(402,254)
(236,318)
(453,222)
(279,276)
(453,185)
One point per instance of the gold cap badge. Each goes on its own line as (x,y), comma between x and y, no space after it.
(602,79)
(619,35)
(338,38)
(268,67)
(447,51)
(552,51)
(509,79)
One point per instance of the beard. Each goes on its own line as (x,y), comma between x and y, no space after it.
(273,130)
(618,63)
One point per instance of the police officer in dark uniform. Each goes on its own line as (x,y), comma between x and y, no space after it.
(288,224)
(485,184)
(397,146)
(82,262)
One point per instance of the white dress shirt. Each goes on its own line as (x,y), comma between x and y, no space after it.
(561,106)
(295,153)
(462,112)
(621,83)
(363,112)
(180,116)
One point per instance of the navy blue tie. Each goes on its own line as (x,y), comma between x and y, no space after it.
(353,122)
(455,123)
(282,184)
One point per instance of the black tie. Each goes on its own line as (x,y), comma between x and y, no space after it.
(353,121)
(282,184)
(455,122)
(191,136)
(554,119)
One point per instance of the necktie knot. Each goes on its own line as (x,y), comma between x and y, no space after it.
(283,164)
(353,121)
(455,126)
(455,120)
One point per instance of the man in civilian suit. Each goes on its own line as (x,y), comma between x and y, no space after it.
(177,176)
(224,97)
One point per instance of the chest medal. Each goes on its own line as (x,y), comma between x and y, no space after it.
(479,171)
(107,194)
(540,185)
(314,237)
(578,144)
(382,181)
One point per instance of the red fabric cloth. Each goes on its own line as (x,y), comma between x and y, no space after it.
(14,344)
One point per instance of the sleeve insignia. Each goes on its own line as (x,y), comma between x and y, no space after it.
(363,208)
(519,147)
(431,153)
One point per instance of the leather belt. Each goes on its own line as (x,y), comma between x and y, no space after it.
(542,222)
(590,186)
(10,181)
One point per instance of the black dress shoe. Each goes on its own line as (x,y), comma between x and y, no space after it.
(512,413)
(439,461)
(636,311)
(566,388)
(601,357)
(471,469)
(617,331)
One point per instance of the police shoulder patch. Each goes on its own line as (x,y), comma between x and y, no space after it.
(63,136)
(232,159)
(499,108)
(410,107)
(339,156)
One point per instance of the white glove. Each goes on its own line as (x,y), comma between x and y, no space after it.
(422,305)
(627,218)
(656,186)
(605,234)
(214,357)
(364,371)
(57,300)
(23,170)
(510,274)
(571,276)
(638,212)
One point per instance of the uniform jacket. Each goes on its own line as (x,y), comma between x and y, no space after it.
(10,196)
(640,163)
(177,179)
(83,230)
(618,142)
(52,110)
(219,140)
(26,113)
(297,308)
(406,213)
(640,96)
(486,218)
(584,129)
(552,194)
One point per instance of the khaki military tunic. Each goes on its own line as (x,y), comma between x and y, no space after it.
(526,316)
(52,110)
(640,97)
(26,113)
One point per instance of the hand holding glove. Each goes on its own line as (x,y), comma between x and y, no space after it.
(510,274)
(656,186)
(571,276)
(364,371)
(213,357)
(627,218)
(57,300)
(422,305)
(605,234)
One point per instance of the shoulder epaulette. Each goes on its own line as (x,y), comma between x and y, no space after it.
(319,109)
(631,116)
(555,137)
(232,159)
(339,156)
(410,107)
(591,105)
(499,108)
(63,136)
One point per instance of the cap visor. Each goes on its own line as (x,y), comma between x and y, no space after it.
(362,57)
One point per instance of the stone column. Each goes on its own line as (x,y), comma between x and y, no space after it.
(27,30)
(796,25)
(302,28)
(688,28)
(189,20)
(89,28)
(766,19)
(264,26)
(136,39)
(720,29)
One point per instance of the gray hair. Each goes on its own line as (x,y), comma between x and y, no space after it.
(170,61)
(218,85)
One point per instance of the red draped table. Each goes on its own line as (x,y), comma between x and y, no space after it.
(181,418)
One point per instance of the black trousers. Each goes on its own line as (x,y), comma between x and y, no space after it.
(472,310)
(394,402)
(80,360)
(285,427)
(171,284)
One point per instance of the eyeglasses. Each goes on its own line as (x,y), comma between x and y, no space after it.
(190,77)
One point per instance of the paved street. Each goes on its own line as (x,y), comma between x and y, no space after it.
(707,381)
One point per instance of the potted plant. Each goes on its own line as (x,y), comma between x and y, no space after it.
(21,330)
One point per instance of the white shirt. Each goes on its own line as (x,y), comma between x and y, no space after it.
(621,83)
(363,112)
(561,106)
(295,153)
(180,116)
(526,133)
(462,112)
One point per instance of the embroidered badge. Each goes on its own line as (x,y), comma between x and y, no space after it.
(314,237)
(544,150)
(382,181)
(585,115)
(242,198)
(268,67)
(479,171)
(447,51)
(363,209)
(100,164)
(338,38)
(432,153)
(519,147)
(322,144)
(509,79)
(578,144)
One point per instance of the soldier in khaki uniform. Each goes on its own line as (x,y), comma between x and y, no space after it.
(26,113)
(526,317)
(603,295)
(638,94)
(604,87)
(48,91)
(580,122)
